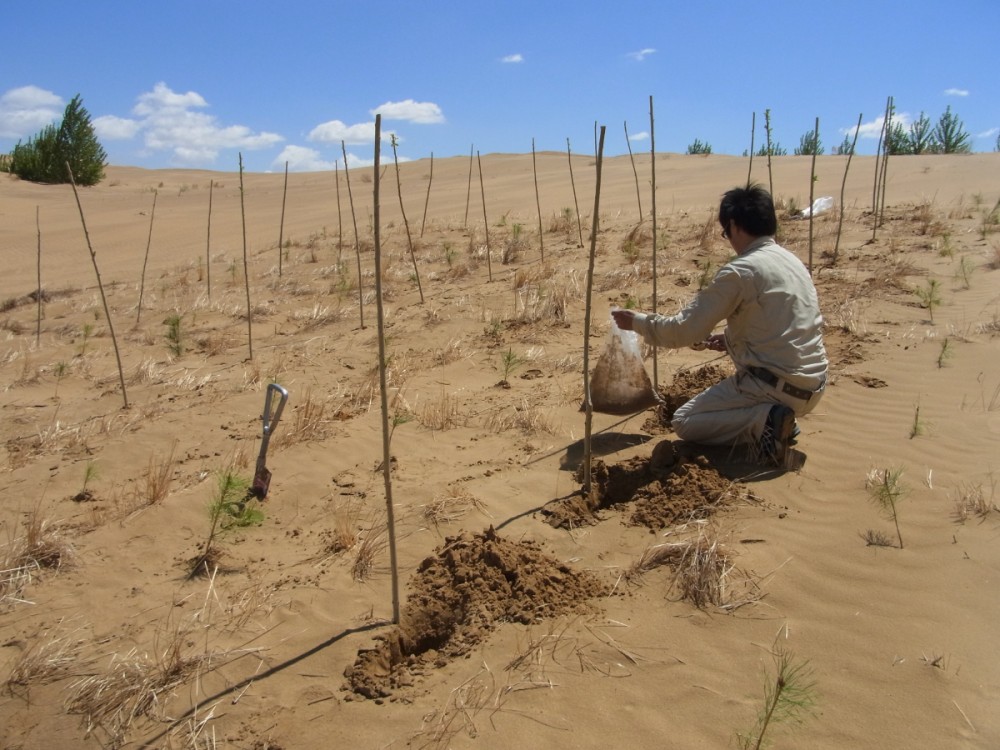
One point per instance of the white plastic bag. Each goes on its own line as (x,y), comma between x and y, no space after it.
(819,206)
(619,383)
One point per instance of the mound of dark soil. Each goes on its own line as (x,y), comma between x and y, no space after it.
(665,489)
(458,596)
(686,385)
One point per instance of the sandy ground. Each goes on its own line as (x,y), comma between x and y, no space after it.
(527,619)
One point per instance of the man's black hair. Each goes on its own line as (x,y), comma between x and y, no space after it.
(751,208)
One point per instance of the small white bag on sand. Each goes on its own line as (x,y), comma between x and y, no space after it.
(619,383)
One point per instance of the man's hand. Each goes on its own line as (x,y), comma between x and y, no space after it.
(716,342)
(623,319)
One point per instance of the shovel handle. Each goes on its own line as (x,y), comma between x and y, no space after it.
(270,418)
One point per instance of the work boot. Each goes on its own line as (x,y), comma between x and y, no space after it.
(778,433)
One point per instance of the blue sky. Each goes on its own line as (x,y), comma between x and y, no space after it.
(193,83)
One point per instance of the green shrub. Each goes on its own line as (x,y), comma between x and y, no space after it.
(44,157)
(699,148)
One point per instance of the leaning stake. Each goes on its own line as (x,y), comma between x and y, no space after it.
(100,286)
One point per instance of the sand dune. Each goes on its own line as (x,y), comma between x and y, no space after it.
(517,630)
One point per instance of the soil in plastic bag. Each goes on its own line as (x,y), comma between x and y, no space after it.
(619,383)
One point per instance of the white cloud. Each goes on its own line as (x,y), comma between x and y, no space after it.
(873,129)
(956,92)
(641,54)
(336,131)
(26,110)
(301,159)
(421,113)
(517,57)
(168,123)
(991,133)
(111,128)
(641,136)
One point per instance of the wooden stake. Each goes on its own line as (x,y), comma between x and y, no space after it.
(538,203)
(770,148)
(208,241)
(409,240)
(281,226)
(38,299)
(812,190)
(357,242)
(427,199)
(652,166)
(383,386)
(142,278)
(100,285)
(638,195)
(587,457)
(468,192)
(572,182)
(486,221)
(753,128)
(843,186)
(246,267)
(340,222)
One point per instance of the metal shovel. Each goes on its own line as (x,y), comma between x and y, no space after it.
(262,477)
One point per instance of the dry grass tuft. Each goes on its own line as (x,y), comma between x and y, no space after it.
(451,505)
(374,542)
(135,686)
(971,501)
(441,413)
(527,418)
(309,422)
(50,656)
(159,475)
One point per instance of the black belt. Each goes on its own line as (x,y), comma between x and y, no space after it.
(766,376)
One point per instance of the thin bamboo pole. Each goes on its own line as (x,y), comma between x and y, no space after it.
(753,129)
(652,167)
(427,199)
(843,187)
(38,296)
(208,241)
(589,417)
(246,267)
(486,221)
(100,286)
(145,260)
(572,182)
(340,220)
(886,153)
(770,148)
(357,241)
(538,203)
(468,192)
(882,137)
(383,385)
(406,223)
(281,226)
(812,190)
(638,195)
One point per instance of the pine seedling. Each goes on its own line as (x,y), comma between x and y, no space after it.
(90,473)
(886,489)
(917,428)
(789,697)
(930,296)
(60,371)
(232,507)
(86,332)
(509,363)
(174,342)
(964,272)
(946,352)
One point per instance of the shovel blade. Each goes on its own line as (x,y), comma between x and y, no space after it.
(261,483)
